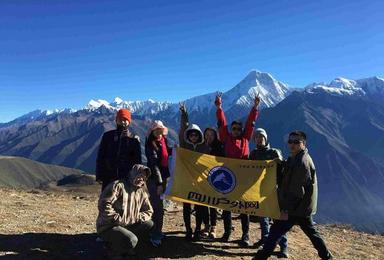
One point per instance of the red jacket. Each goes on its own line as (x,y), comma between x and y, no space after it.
(237,148)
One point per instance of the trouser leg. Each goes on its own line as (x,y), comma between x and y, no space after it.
(213,216)
(264,226)
(227,219)
(306,224)
(187,216)
(158,208)
(245,224)
(277,229)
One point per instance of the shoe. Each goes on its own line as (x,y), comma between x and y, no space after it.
(284,252)
(260,243)
(188,235)
(155,242)
(225,237)
(212,232)
(244,242)
(197,235)
(328,257)
(205,231)
(163,236)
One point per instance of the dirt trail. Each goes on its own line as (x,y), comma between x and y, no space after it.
(61,225)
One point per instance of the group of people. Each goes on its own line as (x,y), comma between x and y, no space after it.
(131,203)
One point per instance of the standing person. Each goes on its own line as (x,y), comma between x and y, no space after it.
(125,212)
(119,150)
(297,198)
(216,148)
(192,138)
(263,151)
(236,143)
(157,153)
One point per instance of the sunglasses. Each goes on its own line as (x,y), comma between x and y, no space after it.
(193,135)
(239,129)
(294,141)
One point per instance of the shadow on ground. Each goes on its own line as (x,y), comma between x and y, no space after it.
(84,246)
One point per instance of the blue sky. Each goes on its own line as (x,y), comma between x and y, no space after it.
(57,54)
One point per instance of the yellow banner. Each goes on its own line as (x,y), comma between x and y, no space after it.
(240,186)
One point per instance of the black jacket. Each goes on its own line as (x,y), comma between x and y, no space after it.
(298,191)
(217,147)
(117,154)
(159,173)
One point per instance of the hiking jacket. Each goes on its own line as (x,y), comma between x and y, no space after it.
(122,204)
(236,147)
(298,189)
(159,173)
(118,152)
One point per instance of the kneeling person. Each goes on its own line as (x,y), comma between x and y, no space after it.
(125,212)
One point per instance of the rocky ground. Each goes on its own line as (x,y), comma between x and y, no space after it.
(60,224)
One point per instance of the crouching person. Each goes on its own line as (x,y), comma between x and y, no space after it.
(125,212)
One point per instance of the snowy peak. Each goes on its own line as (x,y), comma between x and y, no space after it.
(343,83)
(269,89)
(138,107)
(340,86)
(95,104)
(372,86)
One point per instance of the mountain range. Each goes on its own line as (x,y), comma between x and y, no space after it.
(344,120)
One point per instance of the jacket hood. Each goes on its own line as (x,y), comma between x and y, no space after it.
(136,169)
(196,128)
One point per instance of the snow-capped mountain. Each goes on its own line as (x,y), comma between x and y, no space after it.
(340,86)
(344,120)
(148,107)
(269,89)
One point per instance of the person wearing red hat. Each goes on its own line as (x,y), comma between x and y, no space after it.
(119,150)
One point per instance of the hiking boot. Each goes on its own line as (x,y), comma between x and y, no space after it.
(244,242)
(155,242)
(188,235)
(260,243)
(225,237)
(197,235)
(205,231)
(212,232)
(284,252)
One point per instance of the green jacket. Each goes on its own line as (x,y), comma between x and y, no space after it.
(298,190)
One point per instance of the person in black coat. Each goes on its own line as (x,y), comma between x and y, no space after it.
(157,152)
(119,150)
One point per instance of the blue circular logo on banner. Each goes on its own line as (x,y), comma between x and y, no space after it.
(222,179)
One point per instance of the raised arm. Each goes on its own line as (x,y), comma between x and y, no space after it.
(221,120)
(251,119)
(184,122)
